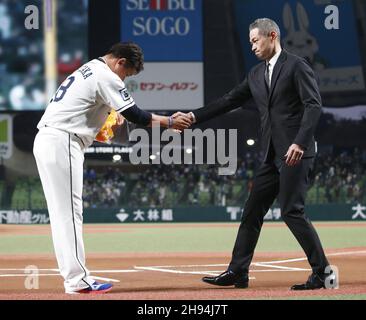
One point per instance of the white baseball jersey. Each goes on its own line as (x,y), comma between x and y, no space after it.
(82,102)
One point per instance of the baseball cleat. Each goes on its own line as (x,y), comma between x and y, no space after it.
(95,288)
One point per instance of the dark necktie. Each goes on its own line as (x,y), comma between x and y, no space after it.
(266,76)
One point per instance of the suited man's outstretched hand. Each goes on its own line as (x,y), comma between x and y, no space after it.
(181,121)
(294,155)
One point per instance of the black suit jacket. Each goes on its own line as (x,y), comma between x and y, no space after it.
(289,111)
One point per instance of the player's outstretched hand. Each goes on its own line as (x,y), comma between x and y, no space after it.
(181,121)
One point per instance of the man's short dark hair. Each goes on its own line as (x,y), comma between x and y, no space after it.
(131,52)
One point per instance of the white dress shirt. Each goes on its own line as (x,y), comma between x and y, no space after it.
(272,63)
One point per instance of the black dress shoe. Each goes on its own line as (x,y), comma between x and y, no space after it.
(228,278)
(316,281)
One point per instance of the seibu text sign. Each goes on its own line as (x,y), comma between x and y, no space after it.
(167,30)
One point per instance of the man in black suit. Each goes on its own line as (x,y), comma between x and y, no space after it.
(287,96)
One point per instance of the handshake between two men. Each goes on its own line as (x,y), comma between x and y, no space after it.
(180,121)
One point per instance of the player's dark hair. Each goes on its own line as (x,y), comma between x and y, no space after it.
(131,52)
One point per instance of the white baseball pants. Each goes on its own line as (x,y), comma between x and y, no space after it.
(60,156)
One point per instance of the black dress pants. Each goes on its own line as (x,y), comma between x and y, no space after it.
(289,184)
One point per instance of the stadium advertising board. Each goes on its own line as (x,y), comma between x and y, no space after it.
(6,136)
(334,53)
(167,30)
(170,34)
(168,86)
(325,212)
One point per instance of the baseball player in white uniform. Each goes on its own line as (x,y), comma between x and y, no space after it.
(69,125)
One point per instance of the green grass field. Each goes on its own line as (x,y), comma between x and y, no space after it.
(275,237)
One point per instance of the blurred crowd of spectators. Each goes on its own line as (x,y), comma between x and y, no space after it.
(339,179)
(103,190)
(335,179)
(167,185)
(162,185)
(22,51)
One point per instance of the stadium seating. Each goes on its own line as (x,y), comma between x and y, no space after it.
(187,185)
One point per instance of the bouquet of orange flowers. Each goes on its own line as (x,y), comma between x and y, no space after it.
(106,133)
